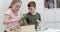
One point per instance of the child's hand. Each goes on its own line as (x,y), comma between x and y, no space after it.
(20,23)
(17,19)
(38,21)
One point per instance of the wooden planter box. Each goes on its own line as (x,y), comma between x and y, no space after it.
(28,28)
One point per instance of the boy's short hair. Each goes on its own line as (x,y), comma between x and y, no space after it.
(31,3)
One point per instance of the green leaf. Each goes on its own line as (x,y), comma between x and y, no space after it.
(24,20)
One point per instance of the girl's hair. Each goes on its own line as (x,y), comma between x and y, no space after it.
(13,2)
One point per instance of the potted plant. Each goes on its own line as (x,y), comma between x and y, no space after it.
(23,19)
(25,27)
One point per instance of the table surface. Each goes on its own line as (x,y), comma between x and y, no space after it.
(49,30)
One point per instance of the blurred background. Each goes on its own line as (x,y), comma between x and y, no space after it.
(50,17)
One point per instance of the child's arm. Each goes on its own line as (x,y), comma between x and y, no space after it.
(39,20)
(7,19)
(39,17)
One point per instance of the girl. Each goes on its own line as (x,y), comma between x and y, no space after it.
(12,16)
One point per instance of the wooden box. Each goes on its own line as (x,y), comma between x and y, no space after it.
(28,28)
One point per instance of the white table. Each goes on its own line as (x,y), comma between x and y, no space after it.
(49,30)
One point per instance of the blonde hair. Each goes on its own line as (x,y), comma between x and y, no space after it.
(13,2)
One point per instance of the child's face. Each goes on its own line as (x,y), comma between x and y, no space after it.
(16,6)
(31,9)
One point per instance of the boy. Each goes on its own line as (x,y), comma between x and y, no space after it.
(33,17)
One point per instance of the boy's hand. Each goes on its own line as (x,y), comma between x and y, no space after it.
(38,21)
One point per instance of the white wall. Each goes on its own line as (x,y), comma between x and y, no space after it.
(1,16)
(3,6)
(50,17)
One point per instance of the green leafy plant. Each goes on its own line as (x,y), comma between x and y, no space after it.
(23,19)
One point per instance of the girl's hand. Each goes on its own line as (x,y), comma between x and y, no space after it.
(17,20)
(20,23)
